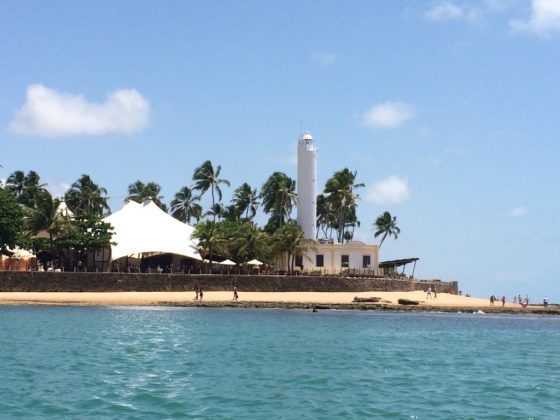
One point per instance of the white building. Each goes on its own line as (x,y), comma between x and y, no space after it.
(325,258)
(307,186)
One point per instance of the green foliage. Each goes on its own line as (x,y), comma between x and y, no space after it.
(139,192)
(207,178)
(290,239)
(87,233)
(336,209)
(386,225)
(238,241)
(246,200)
(278,198)
(85,196)
(11,223)
(25,188)
(185,206)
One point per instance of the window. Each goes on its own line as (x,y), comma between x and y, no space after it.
(319,261)
(344,260)
(299,261)
(366,261)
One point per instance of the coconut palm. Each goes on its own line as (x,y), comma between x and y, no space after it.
(208,237)
(231,213)
(206,178)
(85,196)
(184,206)
(216,211)
(386,225)
(290,239)
(339,191)
(278,198)
(25,188)
(139,192)
(246,200)
(45,217)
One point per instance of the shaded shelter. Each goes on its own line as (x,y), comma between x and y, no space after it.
(391,266)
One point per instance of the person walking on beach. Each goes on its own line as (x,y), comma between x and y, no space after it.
(492,298)
(197,293)
(235,295)
(545,302)
(200,293)
(429,293)
(435,293)
(503,301)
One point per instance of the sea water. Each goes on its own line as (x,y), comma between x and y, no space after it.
(97,362)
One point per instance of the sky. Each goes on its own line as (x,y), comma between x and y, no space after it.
(448,111)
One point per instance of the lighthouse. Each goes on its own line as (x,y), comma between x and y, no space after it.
(307,186)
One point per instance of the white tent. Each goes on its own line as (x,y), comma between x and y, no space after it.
(146,229)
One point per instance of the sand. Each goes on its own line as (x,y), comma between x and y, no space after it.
(321,298)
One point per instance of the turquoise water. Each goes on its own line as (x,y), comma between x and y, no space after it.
(71,362)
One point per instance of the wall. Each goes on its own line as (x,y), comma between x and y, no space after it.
(31,281)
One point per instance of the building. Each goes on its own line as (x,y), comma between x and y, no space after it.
(307,186)
(325,257)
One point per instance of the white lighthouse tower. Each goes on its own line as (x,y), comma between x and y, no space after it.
(307,186)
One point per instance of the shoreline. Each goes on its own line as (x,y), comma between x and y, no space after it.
(387,301)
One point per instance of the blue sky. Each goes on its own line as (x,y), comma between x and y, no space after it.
(448,111)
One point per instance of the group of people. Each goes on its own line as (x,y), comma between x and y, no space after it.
(493,299)
(431,293)
(200,293)
(523,301)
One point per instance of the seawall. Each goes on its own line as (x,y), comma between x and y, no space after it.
(31,281)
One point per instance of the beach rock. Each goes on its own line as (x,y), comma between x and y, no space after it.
(408,302)
(367,299)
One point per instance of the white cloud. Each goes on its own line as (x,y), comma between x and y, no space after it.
(545,18)
(50,113)
(388,114)
(518,211)
(446,11)
(391,190)
(325,59)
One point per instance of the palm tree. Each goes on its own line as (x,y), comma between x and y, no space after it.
(206,178)
(339,191)
(290,239)
(25,188)
(246,200)
(278,198)
(386,225)
(85,196)
(208,238)
(139,192)
(46,217)
(231,213)
(184,206)
(217,210)
(15,184)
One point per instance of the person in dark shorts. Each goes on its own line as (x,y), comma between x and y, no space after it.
(235,295)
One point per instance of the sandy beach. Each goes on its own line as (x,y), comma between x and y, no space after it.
(275,299)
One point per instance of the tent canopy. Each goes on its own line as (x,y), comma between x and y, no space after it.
(228,262)
(146,229)
(254,262)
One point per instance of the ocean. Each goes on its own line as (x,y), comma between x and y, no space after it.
(100,362)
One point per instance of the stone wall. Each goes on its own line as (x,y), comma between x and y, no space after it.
(30,281)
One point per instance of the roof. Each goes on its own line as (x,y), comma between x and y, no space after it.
(145,228)
(397,263)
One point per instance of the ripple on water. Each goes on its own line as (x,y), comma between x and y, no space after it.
(134,363)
